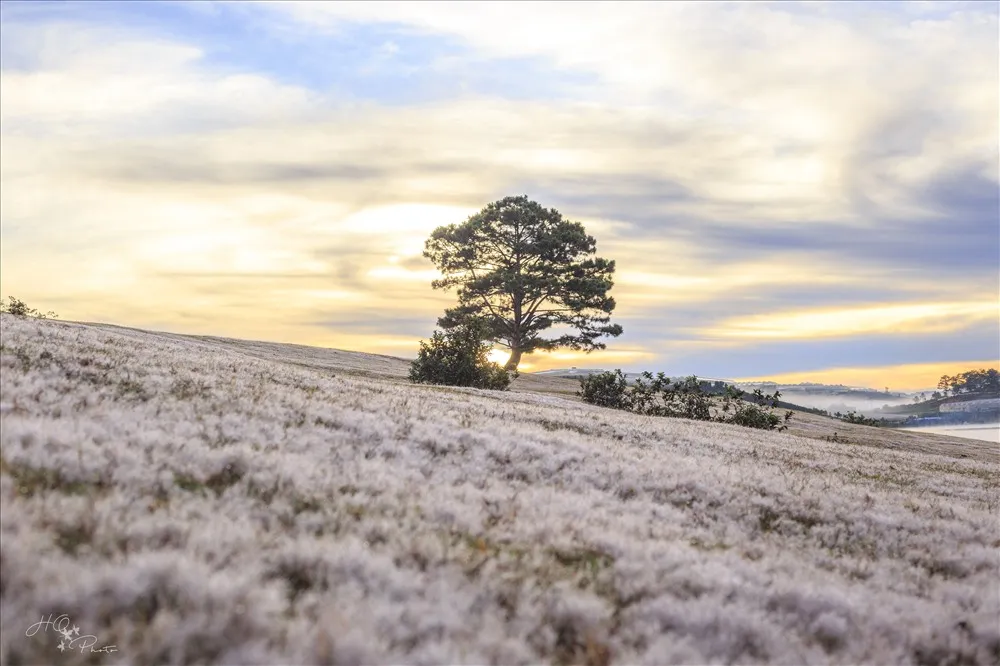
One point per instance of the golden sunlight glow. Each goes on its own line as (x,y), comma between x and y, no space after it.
(910,377)
(500,356)
(312,296)
(407,219)
(400,346)
(565,358)
(890,318)
(686,284)
(184,251)
(397,273)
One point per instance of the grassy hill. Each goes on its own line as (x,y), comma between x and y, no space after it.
(207,500)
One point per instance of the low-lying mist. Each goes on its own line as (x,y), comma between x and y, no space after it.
(842,403)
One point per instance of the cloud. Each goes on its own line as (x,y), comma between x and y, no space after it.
(883,318)
(732,359)
(744,164)
(911,377)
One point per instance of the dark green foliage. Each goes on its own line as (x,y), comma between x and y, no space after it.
(859,419)
(607,389)
(974,381)
(458,357)
(19,308)
(520,270)
(758,413)
(688,398)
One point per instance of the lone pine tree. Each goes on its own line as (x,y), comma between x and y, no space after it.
(521,269)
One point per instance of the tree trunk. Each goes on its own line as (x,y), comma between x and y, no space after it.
(515,358)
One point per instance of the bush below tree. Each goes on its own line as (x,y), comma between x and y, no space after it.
(458,357)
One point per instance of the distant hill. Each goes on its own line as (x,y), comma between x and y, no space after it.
(569,372)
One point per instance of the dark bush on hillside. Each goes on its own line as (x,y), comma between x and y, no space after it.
(859,419)
(607,389)
(19,308)
(458,357)
(688,398)
(757,413)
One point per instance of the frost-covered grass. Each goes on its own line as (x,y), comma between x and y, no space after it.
(190,503)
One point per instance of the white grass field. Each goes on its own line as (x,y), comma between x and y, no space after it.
(194,500)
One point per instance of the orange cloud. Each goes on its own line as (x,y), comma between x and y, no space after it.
(910,377)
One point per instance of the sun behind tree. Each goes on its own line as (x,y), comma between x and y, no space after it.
(521,269)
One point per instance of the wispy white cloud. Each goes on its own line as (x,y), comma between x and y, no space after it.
(714,150)
(885,318)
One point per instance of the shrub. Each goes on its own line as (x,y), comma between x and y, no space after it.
(688,398)
(606,389)
(859,419)
(458,357)
(19,308)
(758,413)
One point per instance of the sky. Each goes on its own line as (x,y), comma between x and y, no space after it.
(791,191)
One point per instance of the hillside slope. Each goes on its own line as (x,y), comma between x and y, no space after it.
(357,364)
(193,501)
(394,369)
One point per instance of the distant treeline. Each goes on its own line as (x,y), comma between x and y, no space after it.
(984,380)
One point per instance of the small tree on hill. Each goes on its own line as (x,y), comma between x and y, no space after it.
(19,308)
(521,269)
(458,357)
